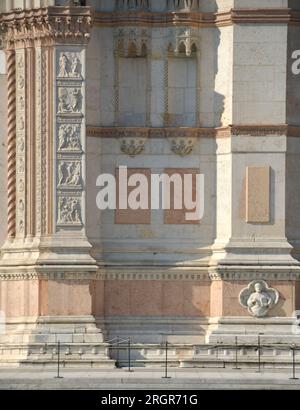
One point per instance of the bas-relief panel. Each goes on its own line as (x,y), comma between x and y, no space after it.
(70,130)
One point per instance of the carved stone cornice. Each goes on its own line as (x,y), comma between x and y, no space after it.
(194,132)
(239,274)
(47,26)
(259,130)
(193,18)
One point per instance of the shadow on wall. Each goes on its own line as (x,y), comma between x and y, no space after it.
(293,143)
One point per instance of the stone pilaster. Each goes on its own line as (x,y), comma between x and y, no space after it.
(48,47)
(47,252)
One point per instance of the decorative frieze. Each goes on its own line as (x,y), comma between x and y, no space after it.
(210,132)
(20,143)
(182,13)
(70,81)
(51,25)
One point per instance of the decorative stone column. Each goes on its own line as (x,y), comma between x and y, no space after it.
(46,272)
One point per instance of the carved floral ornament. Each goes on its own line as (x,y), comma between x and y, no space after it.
(182,142)
(133,142)
(258,298)
(46,25)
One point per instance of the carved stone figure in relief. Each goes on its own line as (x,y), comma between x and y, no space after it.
(21,226)
(21,205)
(21,82)
(69,173)
(20,62)
(69,100)
(63,62)
(69,138)
(21,103)
(21,124)
(21,144)
(21,166)
(259,302)
(69,210)
(75,66)
(258,297)
(69,65)
(76,100)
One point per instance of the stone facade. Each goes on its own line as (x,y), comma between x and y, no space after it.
(156,86)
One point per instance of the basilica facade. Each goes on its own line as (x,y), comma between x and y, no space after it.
(208,87)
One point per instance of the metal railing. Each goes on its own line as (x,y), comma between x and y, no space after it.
(117,345)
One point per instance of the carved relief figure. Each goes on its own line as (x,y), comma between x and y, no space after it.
(63,62)
(69,100)
(21,124)
(258,297)
(69,138)
(75,66)
(21,82)
(69,173)
(21,103)
(69,211)
(76,100)
(69,65)
(259,301)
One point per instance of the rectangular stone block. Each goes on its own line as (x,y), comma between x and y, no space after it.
(134,216)
(258,194)
(78,338)
(64,338)
(174,216)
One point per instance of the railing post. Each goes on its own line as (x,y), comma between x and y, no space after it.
(293,348)
(166,363)
(129,356)
(236,354)
(58,376)
(258,351)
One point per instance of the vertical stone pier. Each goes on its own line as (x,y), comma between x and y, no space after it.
(46,271)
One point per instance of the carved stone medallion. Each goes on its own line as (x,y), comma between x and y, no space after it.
(258,298)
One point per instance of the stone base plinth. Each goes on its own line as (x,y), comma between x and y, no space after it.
(272,330)
(36,341)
